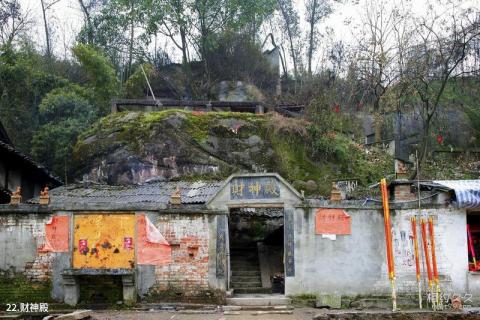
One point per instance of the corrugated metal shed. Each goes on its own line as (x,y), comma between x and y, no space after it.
(467,192)
(197,192)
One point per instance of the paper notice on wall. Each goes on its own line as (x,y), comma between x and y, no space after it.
(56,234)
(332,221)
(329,236)
(152,248)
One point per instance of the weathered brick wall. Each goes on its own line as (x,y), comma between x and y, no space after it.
(189,237)
(25,273)
(21,235)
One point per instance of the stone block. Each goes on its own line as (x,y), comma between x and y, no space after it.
(333,301)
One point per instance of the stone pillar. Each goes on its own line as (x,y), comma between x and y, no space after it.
(129,292)
(71,289)
(113,106)
(259,109)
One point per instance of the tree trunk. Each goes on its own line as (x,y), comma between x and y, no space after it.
(185,62)
(310,44)
(130,50)
(47,35)
(378,121)
(89,22)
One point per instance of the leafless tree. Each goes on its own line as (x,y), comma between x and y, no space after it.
(445,41)
(316,10)
(46,5)
(87,7)
(376,56)
(291,27)
(13,22)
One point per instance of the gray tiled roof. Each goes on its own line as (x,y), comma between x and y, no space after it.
(19,156)
(197,192)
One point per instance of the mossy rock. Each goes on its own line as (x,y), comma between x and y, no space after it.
(132,147)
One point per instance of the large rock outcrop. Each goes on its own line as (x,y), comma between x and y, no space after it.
(133,147)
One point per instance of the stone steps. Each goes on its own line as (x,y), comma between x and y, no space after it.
(242,273)
(259,300)
(246,284)
(246,279)
(248,290)
(246,271)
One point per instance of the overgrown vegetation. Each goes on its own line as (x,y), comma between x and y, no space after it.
(284,145)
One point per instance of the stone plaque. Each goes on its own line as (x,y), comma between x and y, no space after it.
(254,188)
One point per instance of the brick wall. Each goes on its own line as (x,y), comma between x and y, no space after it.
(25,273)
(189,237)
(21,235)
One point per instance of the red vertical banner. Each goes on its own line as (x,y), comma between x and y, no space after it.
(415,247)
(472,250)
(432,245)
(426,251)
(388,232)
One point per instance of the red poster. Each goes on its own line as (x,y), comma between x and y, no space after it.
(127,243)
(56,235)
(83,246)
(152,248)
(332,221)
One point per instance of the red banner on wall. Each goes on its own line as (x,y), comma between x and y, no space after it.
(57,234)
(332,221)
(152,248)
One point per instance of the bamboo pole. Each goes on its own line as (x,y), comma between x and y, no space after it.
(417,260)
(434,261)
(427,257)
(388,240)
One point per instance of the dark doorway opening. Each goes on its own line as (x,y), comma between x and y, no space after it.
(100,291)
(256,250)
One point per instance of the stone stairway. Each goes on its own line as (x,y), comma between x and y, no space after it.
(245,270)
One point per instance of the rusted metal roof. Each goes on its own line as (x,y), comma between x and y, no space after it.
(157,192)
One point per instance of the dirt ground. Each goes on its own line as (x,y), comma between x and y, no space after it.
(298,314)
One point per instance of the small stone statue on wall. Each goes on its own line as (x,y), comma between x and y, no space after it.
(16,196)
(44,197)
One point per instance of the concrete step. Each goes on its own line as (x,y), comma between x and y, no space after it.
(245,273)
(246,290)
(259,300)
(245,268)
(244,261)
(243,284)
(245,279)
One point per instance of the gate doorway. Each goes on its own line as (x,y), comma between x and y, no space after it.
(256,250)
